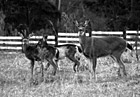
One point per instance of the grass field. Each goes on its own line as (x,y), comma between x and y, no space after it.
(15,79)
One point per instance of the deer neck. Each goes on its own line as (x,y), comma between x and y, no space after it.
(83,40)
(25,46)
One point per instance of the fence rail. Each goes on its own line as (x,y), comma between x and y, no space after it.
(14,43)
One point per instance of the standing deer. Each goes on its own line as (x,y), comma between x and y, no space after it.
(31,51)
(62,51)
(69,51)
(48,52)
(94,47)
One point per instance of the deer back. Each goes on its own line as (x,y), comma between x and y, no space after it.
(46,51)
(103,46)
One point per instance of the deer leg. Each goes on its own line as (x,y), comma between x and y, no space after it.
(47,66)
(114,58)
(53,64)
(42,69)
(77,63)
(121,65)
(56,63)
(94,62)
(32,67)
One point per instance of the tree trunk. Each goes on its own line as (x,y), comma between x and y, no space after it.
(58,5)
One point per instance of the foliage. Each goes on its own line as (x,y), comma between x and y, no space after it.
(15,75)
(116,15)
(33,13)
(120,13)
(113,15)
(2,16)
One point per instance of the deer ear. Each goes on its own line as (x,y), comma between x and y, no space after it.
(50,22)
(20,34)
(45,36)
(31,34)
(52,26)
(87,21)
(76,23)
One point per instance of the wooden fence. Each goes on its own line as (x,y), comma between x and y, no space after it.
(14,43)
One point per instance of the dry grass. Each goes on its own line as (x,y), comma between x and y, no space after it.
(15,79)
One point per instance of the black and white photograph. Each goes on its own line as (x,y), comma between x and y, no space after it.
(69,48)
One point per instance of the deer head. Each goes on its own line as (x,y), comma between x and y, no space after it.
(24,33)
(41,43)
(81,27)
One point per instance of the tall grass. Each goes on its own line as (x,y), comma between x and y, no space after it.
(15,79)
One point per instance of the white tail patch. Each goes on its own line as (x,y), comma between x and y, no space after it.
(77,54)
(62,51)
(83,60)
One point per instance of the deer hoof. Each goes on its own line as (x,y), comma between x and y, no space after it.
(33,82)
(54,73)
(42,79)
(119,74)
(122,73)
(125,74)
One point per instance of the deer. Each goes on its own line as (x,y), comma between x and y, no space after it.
(67,50)
(95,47)
(48,53)
(31,51)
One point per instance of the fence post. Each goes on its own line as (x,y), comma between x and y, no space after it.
(56,37)
(90,29)
(56,40)
(124,34)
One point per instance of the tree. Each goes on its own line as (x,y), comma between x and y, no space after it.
(118,14)
(34,13)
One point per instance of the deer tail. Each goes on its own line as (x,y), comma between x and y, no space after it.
(129,46)
(79,49)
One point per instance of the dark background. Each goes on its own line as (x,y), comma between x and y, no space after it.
(105,15)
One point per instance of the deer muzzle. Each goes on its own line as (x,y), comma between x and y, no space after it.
(80,33)
(25,41)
